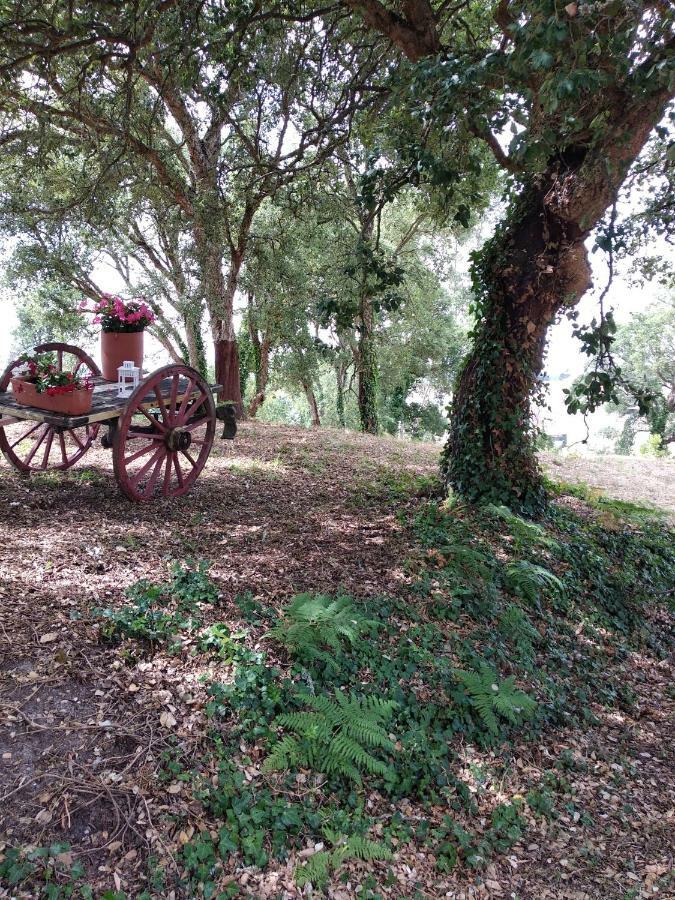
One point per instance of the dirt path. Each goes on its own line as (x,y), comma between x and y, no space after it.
(278,511)
(637,479)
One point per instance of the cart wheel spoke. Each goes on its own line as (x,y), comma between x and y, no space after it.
(177,442)
(152,419)
(145,450)
(193,462)
(161,405)
(166,486)
(193,426)
(68,358)
(64,452)
(48,447)
(74,435)
(158,455)
(37,444)
(150,486)
(173,397)
(179,471)
(196,407)
(24,436)
(180,415)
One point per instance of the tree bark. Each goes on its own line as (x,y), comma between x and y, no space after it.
(367,371)
(367,354)
(313,406)
(535,266)
(227,371)
(262,375)
(340,385)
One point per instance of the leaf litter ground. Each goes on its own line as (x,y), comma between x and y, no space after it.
(85,727)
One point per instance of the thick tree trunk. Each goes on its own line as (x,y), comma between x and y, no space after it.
(367,356)
(313,406)
(535,266)
(219,292)
(536,263)
(227,372)
(262,375)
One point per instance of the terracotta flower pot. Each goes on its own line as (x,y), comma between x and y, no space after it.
(118,346)
(72,403)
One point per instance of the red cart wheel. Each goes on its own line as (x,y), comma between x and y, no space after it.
(164,436)
(35,446)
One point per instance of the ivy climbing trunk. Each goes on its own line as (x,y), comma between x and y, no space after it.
(367,368)
(340,387)
(581,139)
(526,273)
(534,267)
(367,353)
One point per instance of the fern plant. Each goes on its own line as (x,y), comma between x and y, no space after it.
(492,699)
(337,737)
(530,581)
(468,564)
(524,533)
(517,628)
(319,867)
(314,628)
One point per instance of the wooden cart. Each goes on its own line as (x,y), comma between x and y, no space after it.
(160,436)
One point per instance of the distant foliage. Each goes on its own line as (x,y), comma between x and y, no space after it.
(338,737)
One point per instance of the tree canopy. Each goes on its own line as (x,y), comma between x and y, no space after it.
(295,154)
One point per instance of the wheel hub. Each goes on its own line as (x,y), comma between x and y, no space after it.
(178,439)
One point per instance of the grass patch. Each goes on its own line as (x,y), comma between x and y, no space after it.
(273,468)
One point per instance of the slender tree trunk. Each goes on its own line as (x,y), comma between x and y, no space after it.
(367,356)
(341,380)
(367,382)
(313,406)
(195,342)
(262,375)
(219,292)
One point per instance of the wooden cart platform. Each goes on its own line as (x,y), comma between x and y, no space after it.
(160,435)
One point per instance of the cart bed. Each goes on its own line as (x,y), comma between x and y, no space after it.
(105,405)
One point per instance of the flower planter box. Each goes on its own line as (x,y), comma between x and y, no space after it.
(73,403)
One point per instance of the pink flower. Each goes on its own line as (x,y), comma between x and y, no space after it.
(96,320)
(83,304)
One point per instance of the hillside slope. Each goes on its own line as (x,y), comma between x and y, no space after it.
(140,730)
